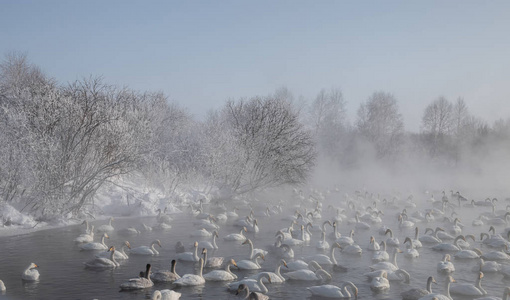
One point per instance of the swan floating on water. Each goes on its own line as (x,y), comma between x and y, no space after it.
(332,291)
(30,273)
(165,275)
(145,250)
(139,282)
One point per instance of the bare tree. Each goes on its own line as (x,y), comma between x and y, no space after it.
(380,122)
(437,123)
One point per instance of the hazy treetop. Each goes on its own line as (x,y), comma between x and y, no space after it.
(202,53)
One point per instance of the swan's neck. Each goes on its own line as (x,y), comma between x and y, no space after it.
(429,285)
(332,254)
(307,228)
(112,257)
(255,260)
(395,258)
(227,269)
(201,269)
(277,271)
(102,241)
(261,284)
(173,268)
(123,252)
(345,291)
(323,237)
(214,242)
(241,233)
(251,249)
(195,254)
(302,234)
(110,222)
(154,249)
(448,290)
(478,284)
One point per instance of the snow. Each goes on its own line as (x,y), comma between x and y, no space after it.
(125,198)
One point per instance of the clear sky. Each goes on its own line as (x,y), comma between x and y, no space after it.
(201,53)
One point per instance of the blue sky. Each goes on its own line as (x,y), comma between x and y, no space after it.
(201,53)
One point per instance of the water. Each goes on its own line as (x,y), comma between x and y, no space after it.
(63,275)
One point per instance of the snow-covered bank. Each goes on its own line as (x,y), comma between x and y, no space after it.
(122,199)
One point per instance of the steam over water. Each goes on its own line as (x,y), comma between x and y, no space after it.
(63,275)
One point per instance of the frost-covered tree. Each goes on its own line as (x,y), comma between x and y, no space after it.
(380,122)
(270,145)
(437,124)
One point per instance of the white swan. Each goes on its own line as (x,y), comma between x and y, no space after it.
(165,295)
(332,291)
(410,251)
(102,262)
(86,237)
(30,273)
(145,250)
(449,247)
(437,296)
(250,295)
(255,285)
(210,245)
(391,241)
(431,239)
(253,251)
(324,259)
(96,246)
(373,245)
(201,233)
(322,244)
(252,264)
(236,236)
(381,255)
(165,275)
(301,265)
(380,283)
(445,265)
(416,293)
(384,265)
(468,254)
(192,279)
(346,240)
(139,282)
(222,275)
(308,275)
(468,289)
(212,262)
(118,254)
(107,227)
(2,286)
(487,266)
(276,277)
(189,256)
(506,296)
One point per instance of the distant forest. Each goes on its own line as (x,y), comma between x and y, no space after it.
(60,143)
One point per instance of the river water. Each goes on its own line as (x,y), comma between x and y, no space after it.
(63,275)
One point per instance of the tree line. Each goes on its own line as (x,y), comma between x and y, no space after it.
(61,143)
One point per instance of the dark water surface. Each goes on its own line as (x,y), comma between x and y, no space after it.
(63,275)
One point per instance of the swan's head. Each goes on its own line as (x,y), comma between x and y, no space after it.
(450,279)
(233,262)
(246,241)
(204,250)
(216,234)
(388,231)
(106,235)
(480,275)
(372,240)
(283,262)
(33,266)
(112,249)
(408,239)
(159,243)
(244,229)
(127,244)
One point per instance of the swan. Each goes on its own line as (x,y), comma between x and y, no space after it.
(494,241)
(118,254)
(468,289)
(324,259)
(192,279)
(373,245)
(145,250)
(468,254)
(431,239)
(410,252)
(332,291)
(165,295)
(308,275)
(213,262)
(165,275)
(162,227)
(352,249)
(380,283)
(346,240)
(96,246)
(384,265)
(201,233)
(391,241)
(415,294)
(416,241)
(284,250)
(449,247)
(86,237)
(210,245)
(404,223)
(130,231)
(30,273)
(255,285)
(140,282)
(301,265)
(236,236)
(252,250)
(322,244)
(250,295)
(252,264)
(276,277)
(398,275)
(253,227)
(445,265)
(2,286)
(189,256)
(487,266)
(437,296)
(101,262)
(497,255)
(360,224)
(506,294)
(222,275)
(162,217)
(107,227)
(381,255)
